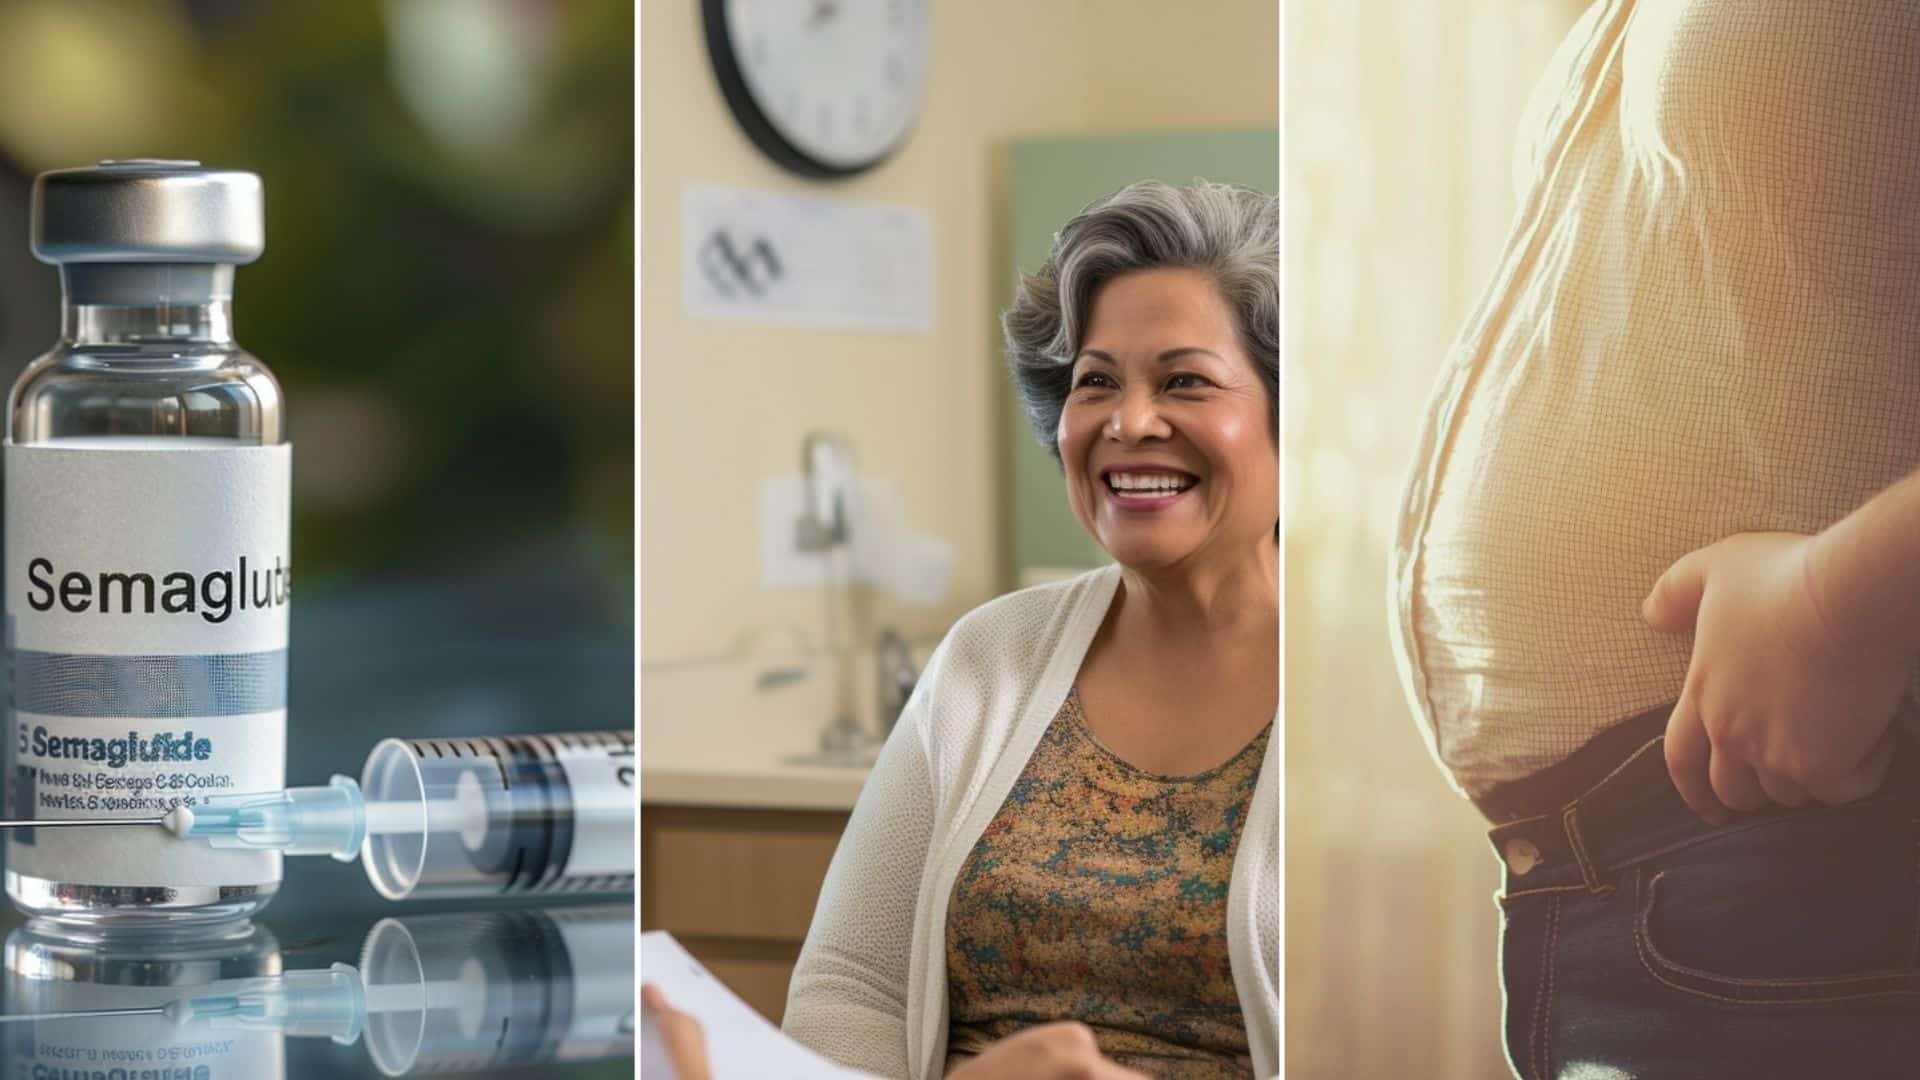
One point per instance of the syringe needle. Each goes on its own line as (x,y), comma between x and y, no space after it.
(82,1014)
(55,823)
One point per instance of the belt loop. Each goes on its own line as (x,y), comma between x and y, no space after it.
(1570,820)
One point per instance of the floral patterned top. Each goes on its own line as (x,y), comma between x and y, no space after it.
(1098,893)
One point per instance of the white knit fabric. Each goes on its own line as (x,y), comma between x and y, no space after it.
(870,987)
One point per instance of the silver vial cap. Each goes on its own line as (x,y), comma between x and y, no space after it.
(148,211)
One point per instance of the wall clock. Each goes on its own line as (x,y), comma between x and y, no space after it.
(826,88)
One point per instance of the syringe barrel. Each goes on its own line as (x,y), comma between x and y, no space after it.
(504,814)
(471,991)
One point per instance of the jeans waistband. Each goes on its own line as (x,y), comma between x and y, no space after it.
(1553,787)
(1635,813)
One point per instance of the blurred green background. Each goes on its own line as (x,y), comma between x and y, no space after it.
(448,285)
(447,298)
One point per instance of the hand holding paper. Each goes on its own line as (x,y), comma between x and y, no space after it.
(705,1025)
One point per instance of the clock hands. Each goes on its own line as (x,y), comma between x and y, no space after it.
(821,129)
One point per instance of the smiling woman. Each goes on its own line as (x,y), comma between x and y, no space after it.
(1075,820)
(1156,439)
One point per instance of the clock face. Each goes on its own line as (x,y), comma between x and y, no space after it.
(825,87)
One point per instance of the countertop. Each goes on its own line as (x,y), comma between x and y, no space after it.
(711,735)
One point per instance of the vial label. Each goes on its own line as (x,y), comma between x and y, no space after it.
(600,781)
(147,584)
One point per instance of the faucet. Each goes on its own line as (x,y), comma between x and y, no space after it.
(826,469)
(897,677)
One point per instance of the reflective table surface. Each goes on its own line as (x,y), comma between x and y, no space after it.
(533,991)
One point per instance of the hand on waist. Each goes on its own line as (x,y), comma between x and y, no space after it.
(1782,702)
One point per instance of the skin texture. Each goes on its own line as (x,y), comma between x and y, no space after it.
(1162,379)
(1802,648)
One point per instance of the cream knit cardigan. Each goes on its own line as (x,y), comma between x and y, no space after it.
(870,987)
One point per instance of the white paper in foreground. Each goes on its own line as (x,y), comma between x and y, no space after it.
(740,1042)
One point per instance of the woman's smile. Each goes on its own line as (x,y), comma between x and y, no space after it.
(1146,490)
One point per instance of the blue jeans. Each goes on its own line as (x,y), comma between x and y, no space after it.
(1638,941)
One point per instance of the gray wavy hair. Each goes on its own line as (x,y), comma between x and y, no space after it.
(1229,232)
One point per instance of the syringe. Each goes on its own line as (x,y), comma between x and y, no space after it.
(446,817)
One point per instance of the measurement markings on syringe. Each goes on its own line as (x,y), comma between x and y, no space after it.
(565,808)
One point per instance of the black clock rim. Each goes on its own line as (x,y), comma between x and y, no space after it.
(758,126)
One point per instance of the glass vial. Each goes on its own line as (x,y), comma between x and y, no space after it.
(53,981)
(147,567)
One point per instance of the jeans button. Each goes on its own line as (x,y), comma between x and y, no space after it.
(1522,856)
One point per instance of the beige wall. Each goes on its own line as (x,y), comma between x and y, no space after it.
(723,406)
(1153,66)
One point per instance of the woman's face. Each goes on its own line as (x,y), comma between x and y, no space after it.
(1165,439)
